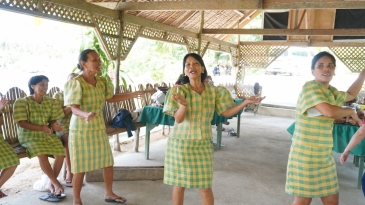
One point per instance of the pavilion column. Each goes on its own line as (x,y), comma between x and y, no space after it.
(201,33)
(117,61)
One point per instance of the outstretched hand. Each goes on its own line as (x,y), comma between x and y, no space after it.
(254,99)
(355,118)
(180,99)
(3,103)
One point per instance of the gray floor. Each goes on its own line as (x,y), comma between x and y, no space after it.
(247,170)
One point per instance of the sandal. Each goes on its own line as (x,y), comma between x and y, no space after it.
(119,200)
(68,183)
(2,195)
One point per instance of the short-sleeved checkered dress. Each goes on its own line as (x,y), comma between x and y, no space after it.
(37,142)
(65,121)
(311,170)
(189,154)
(88,143)
(8,157)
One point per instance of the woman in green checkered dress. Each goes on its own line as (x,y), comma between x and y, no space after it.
(36,116)
(88,143)
(63,135)
(311,169)
(189,154)
(8,160)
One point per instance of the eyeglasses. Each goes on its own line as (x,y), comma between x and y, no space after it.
(330,65)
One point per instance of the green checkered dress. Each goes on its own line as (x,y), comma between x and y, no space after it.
(37,142)
(8,156)
(311,170)
(65,121)
(189,154)
(88,142)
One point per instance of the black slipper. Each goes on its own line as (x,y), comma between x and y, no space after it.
(51,197)
(115,200)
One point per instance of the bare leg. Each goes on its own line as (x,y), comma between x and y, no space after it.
(47,169)
(178,195)
(301,201)
(4,176)
(108,180)
(69,175)
(207,196)
(77,185)
(330,200)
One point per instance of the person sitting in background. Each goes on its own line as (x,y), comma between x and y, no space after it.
(63,135)
(9,160)
(37,117)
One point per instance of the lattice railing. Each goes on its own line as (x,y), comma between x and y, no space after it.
(259,56)
(352,57)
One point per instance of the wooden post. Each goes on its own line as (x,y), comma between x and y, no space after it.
(200,32)
(117,68)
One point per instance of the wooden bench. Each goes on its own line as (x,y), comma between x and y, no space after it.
(10,128)
(132,104)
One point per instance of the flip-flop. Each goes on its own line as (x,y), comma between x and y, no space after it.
(115,200)
(68,183)
(51,197)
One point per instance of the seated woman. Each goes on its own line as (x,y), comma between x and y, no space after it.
(9,160)
(63,135)
(36,116)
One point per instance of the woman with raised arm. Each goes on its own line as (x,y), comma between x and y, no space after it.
(88,142)
(311,169)
(189,154)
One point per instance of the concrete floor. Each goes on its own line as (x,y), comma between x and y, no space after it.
(247,170)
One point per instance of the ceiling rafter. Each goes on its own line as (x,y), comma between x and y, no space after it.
(243,22)
(306,43)
(239,5)
(287,32)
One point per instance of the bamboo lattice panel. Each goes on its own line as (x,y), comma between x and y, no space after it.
(21,4)
(65,12)
(130,36)
(109,30)
(352,57)
(259,56)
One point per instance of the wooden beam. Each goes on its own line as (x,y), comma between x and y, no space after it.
(276,32)
(159,26)
(244,21)
(307,43)
(240,5)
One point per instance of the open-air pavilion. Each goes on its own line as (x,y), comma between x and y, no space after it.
(217,25)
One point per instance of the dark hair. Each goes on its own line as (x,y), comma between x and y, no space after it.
(34,81)
(180,79)
(83,57)
(320,55)
(198,58)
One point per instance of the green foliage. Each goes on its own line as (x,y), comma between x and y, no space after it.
(153,61)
